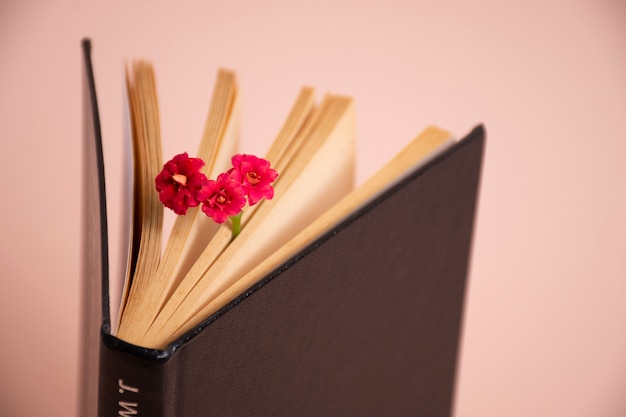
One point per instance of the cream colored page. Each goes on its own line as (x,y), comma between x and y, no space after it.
(119,280)
(219,128)
(145,113)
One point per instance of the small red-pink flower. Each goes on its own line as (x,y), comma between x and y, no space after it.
(255,176)
(180,183)
(222,198)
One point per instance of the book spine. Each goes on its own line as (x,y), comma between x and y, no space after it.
(132,384)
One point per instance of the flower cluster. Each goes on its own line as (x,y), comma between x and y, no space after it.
(181,185)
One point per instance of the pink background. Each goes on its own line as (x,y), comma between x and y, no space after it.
(545,329)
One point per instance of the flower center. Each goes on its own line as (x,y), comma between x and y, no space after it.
(253,178)
(180,179)
(220,199)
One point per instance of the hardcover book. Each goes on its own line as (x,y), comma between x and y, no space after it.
(355,309)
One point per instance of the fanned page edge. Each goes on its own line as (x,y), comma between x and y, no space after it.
(147,153)
(219,141)
(120,288)
(339,119)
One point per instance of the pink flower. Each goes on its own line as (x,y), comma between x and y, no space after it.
(222,198)
(180,182)
(255,176)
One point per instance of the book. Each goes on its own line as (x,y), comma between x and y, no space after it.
(358,313)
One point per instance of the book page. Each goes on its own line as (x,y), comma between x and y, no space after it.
(148,211)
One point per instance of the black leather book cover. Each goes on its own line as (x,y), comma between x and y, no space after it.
(365,321)
(94,268)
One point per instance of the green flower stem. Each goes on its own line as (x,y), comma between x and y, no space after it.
(236,225)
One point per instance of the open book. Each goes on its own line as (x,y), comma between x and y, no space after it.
(321,304)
